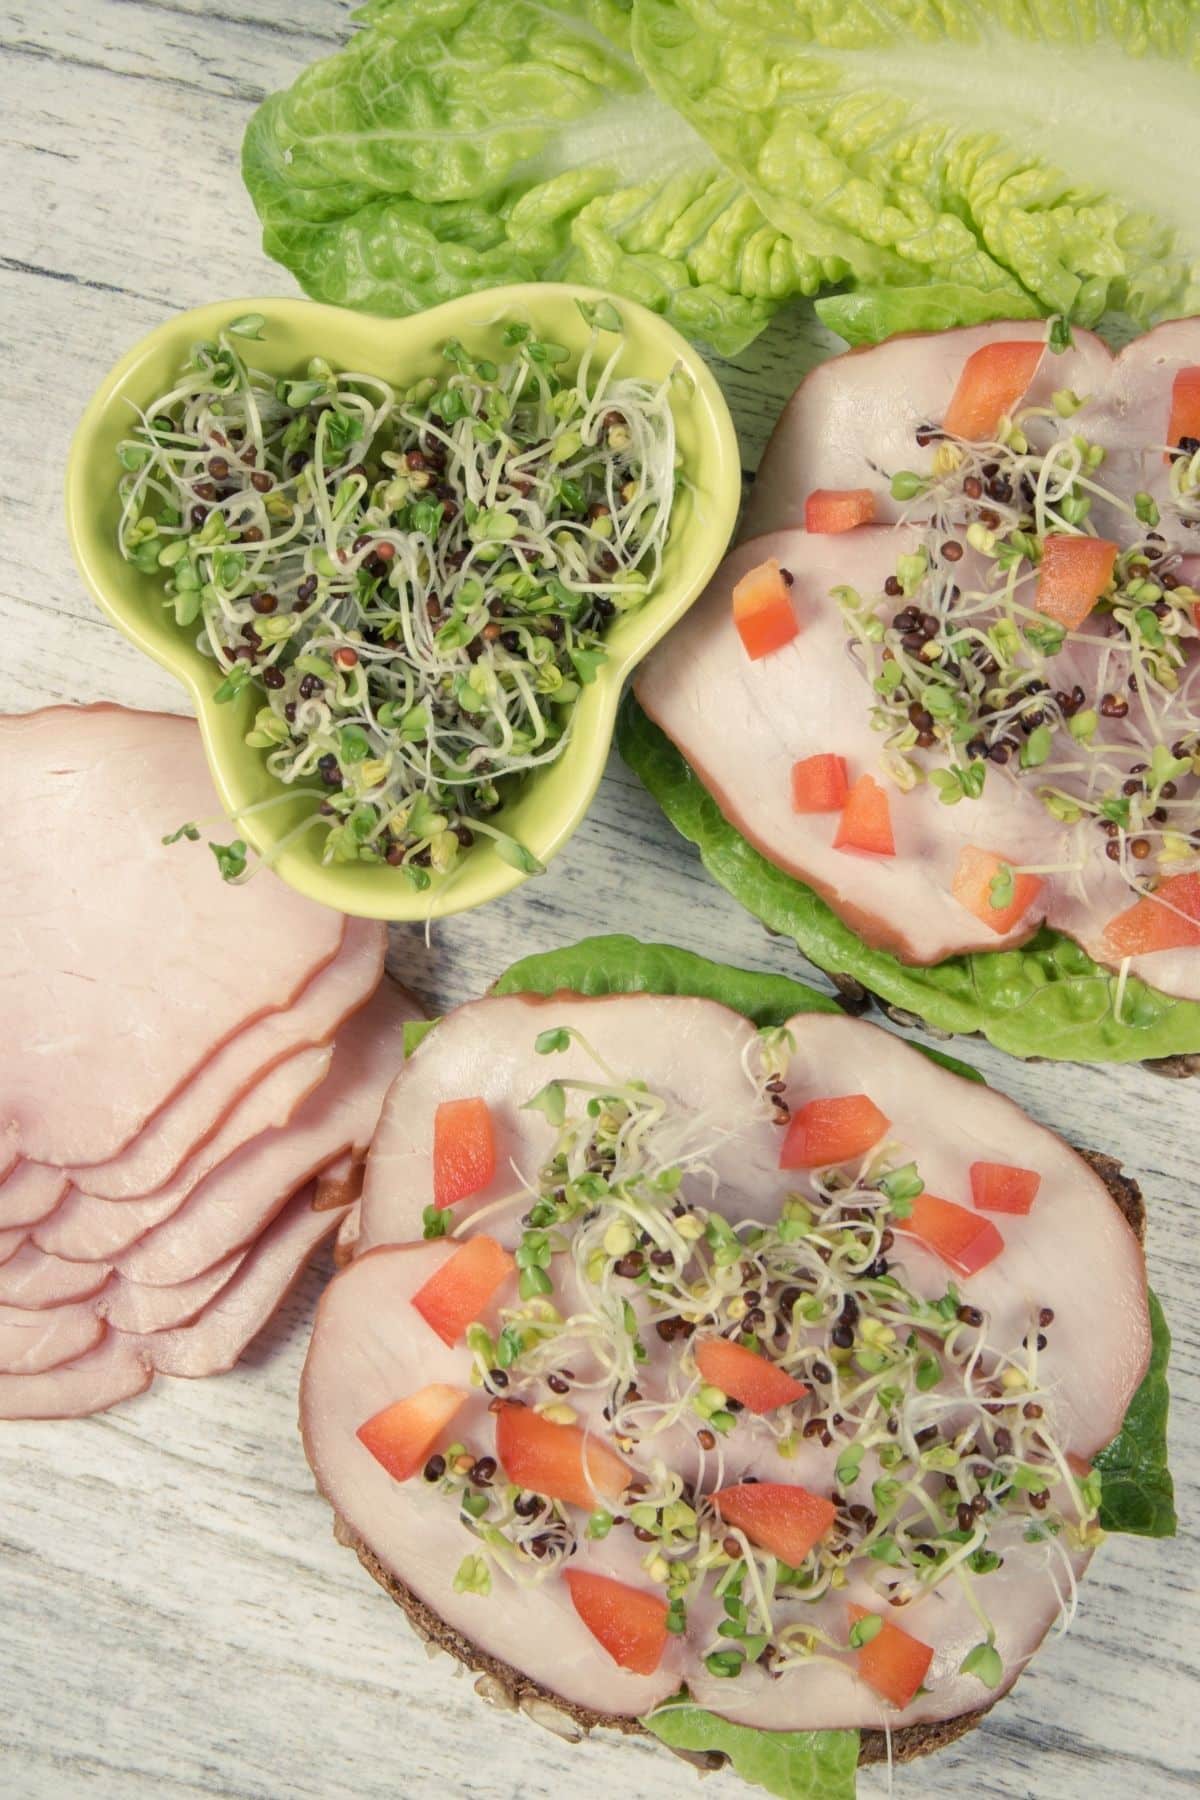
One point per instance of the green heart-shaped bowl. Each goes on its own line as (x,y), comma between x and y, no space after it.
(550,803)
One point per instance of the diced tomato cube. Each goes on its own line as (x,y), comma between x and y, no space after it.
(973,878)
(993,380)
(776,1516)
(762,610)
(561,1461)
(458,1293)
(754,1380)
(819,784)
(403,1434)
(824,1132)
(955,1233)
(464,1150)
(1000,1187)
(1167,919)
(831,510)
(894,1663)
(1185,409)
(866,821)
(1074,572)
(630,1623)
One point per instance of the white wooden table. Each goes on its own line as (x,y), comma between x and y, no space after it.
(175,1619)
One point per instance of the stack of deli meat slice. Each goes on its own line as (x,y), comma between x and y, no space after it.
(191,1071)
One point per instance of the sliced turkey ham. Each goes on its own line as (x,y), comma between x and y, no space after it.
(216,1338)
(128,963)
(852,422)
(368,1349)
(115,1370)
(1073,1253)
(29,1193)
(34,1279)
(32,1341)
(811,698)
(253,1082)
(84,1357)
(239,1198)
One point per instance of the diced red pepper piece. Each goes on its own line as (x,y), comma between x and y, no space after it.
(824,1132)
(1001,1187)
(561,1461)
(762,610)
(894,1663)
(1185,410)
(866,821)
(630,1623)
(460,1291)
(776,1516)
(758,1383)
(819,784)
(464,1150)
(1167,919)
(972,888)
(402,1435)
(994,378)
(830,510)
(1074,572)
(955,1233)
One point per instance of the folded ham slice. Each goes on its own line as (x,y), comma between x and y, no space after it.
(115,1370)
(121,941)
(1072,1264)
(84,1357)
(32,1341)
(30,1192)
(238,1199)
(34,1279)
(253,1082)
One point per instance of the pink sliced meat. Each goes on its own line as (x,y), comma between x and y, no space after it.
(32,1278)
(1072,1260)
(130,1306)
(1073,1253)
(84,1229)
(369,1349)
(29,1193)
(852,422)
(238,1199)
(115,1370)
(11,1242)
(93,1229)
(31,1342)
(253,1082)
(812,698)
(130,962)
(213,1342)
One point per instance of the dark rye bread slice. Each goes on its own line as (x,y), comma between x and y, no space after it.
(505,1687)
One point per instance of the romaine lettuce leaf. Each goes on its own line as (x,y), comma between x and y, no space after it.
(459,144)
(625,965)
(1046,999)
(795,1765)
(1137,1493)
(1043,152)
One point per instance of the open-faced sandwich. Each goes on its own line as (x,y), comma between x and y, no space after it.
(955,662)
(716,1364)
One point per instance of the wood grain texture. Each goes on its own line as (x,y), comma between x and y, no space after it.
(177,1620)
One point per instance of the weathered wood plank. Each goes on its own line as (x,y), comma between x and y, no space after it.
(178,1620)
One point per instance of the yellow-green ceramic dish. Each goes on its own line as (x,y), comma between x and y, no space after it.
(549,805)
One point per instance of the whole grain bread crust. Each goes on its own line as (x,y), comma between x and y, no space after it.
(504,1686)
